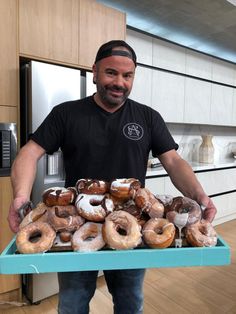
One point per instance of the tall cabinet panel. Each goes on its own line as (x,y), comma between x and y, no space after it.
(8,57)
(49,29)
(97,24)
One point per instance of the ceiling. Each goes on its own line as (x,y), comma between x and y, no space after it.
(208,26)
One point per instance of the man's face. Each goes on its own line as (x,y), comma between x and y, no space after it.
(114,77)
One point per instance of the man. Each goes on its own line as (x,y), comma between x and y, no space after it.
(104,136)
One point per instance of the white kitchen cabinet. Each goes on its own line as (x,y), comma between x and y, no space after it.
(142,45)
(234,108)
(226,208)
(197,101)
(221,105)
(223,72)
(168,56)
(198,64)
(156,185)
(170,189)
(168,95)
(142,86)
(218,181)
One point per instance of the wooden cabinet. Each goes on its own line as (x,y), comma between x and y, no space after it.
(8,58)
(7,282)
(48,29)
(67,31)
(97,25)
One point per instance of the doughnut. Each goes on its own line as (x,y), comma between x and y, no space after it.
(90,186)
(124,189)
(145,200)
(39,213)
(184,205)
(121,231)
(36,237)
(201,234)
(158,233)
(65,236)
(93,207)
(88,238)
(131,208)
(64,218)
(59,196)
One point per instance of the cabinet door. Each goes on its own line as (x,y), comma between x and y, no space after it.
(226,208)
(48,29)
(221,105)
(142,44)
(234,109)
(155,185)
(198,64)
(168,56)
(223,71)
(8,55)
(197,101)
(142,86)
(7,282)
(168,95)
(97,25)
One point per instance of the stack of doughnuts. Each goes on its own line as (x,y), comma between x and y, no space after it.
(119,215)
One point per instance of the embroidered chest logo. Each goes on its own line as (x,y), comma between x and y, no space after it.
(133,131)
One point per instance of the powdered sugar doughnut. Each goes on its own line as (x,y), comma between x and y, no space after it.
(94,207)
(88,238)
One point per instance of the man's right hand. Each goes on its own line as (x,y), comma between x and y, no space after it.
(13,215)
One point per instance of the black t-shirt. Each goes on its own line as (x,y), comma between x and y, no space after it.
(101,145)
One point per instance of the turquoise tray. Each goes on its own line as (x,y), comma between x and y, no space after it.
(14,263)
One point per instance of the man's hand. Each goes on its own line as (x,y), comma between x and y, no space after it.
(13,215)
(210,210)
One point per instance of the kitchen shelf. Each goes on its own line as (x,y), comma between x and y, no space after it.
(13,263)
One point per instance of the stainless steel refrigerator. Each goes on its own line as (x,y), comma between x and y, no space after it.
(42,86)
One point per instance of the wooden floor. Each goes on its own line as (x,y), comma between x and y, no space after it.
(197,290)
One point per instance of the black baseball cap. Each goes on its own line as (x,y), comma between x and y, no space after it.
(106,50)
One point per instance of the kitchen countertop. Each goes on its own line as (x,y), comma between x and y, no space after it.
(195,166)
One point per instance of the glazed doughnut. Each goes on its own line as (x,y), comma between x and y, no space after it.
(124,188)
(24,238)
(65,236)
(39,213)
(90,186)
(131,208)
(64,218)
(158,233)
(94,207)
(145,200)
(88,238)
(121,231)
(201,234)
(59,196)
(184,205)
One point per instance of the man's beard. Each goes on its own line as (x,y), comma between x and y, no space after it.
(108,99)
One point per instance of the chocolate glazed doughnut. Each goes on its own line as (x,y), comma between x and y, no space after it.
(59,196)
(124,188)
(91,186)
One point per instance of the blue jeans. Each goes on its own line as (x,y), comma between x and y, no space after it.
(76,289)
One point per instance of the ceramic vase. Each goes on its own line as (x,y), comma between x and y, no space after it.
(206,150)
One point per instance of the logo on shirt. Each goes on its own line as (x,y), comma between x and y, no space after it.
(133,131)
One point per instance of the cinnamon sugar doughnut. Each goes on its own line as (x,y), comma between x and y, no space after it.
(184,205)
(64,218)
(44,241)
(88,238)
(39,213)
(94,207)
(201,234)
(124,188)
(121,231)
(59,196)
(91,186)
(158,233)
(145,200)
